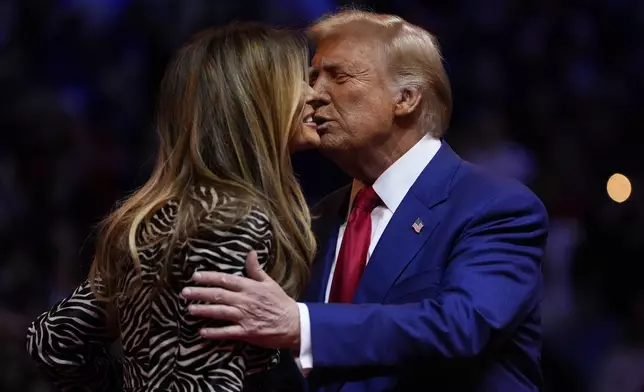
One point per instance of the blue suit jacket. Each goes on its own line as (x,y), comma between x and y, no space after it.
(454,307)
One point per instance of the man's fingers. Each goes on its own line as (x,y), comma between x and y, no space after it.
(254,270)
(213,295)
(216,312)
(220,279)
(230,332)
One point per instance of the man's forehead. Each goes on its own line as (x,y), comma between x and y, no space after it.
(326,63)
(341,53)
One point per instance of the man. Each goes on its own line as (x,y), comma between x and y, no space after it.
(449,297)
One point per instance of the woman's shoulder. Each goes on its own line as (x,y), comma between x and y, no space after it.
(225,208)
(159,225)
(209,213)
(227,228)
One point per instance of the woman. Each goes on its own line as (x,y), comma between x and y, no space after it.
(231,109)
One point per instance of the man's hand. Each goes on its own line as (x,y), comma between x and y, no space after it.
(261,312)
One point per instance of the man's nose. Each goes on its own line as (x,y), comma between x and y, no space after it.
(316,99)
(317,103)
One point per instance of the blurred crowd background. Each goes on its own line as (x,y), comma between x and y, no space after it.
(547,91)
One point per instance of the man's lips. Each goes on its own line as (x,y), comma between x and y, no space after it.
(321,128)
(320,120)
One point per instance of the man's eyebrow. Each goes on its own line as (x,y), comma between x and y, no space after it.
(327,66)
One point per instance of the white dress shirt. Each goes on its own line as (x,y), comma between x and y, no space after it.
(391,187)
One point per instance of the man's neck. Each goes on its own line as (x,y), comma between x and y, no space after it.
(372,162)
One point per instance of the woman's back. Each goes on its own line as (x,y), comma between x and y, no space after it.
(162,348)
(161,343)
(231,107)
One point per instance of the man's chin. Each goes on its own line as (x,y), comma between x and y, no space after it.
(331,148)
(328,143)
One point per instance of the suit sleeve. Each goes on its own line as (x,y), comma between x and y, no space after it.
(492,283)
(71,342)
(224,249)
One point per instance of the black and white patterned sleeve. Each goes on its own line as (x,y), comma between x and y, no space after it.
(226,364)
(70,342)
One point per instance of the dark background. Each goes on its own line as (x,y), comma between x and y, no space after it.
(545,91)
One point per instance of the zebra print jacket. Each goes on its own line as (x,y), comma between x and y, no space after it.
(161,346)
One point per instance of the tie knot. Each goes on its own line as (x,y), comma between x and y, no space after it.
(366,199)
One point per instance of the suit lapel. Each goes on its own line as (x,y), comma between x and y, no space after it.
(396,248)
(400,242)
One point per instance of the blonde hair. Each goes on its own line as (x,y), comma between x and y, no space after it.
(229,103)
(413,57)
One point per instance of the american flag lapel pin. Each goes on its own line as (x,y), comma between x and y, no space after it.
(418,225)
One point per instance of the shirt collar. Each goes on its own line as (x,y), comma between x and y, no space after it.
(395,182)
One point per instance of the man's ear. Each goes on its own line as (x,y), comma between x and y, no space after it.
(407,101)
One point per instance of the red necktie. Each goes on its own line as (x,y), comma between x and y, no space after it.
(352,257)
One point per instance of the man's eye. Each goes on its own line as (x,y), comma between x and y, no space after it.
(341,78)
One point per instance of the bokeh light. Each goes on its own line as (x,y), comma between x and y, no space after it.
(619,187)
